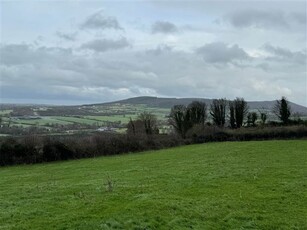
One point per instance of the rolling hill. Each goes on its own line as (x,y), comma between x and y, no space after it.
(150,102)
(170,102)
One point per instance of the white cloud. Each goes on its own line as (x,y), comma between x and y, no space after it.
(267,88)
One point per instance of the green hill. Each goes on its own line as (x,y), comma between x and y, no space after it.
(161,102)
(231,185)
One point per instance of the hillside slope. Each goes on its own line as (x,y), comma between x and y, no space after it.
(170,102)
(231,185)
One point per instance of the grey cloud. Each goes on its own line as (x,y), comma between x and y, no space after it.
(100,21)
(164,27)
(18,54)
(67,36)
(160,50)
(285,55)
(13,54)
(257,18)
(269,19)
(300,17)
(218,52)
(102,45)
(80,75)
(61,74)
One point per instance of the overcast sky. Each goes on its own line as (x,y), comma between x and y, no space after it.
(75,52)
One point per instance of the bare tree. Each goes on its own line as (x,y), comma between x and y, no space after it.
(183,118)
(180,119)
(282,110)
(150,122)
(241,110)
(252,118)
(146,123)
(263,115)
(218,111)
(232,119)
(198,112)
(238,111)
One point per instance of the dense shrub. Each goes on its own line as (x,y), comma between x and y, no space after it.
(215,134)
(30,150)
(7,152)
(33,149)
(56,150)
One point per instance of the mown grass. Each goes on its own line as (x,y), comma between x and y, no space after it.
(231,185)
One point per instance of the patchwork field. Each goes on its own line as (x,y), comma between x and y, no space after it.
(231,185)
(77,118)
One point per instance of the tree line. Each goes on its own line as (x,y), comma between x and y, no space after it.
(223,113)
(183,118)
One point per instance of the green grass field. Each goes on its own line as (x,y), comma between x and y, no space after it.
(131,111)
(114,118)
(231,185)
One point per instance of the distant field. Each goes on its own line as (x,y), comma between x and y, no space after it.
(112,118)
(231,185)
(66,120)
(117,113)
(5,111)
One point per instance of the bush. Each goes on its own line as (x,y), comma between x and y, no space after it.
(56,150)
(7,151)
(33,149)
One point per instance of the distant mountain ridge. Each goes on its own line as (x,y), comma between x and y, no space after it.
(170,102)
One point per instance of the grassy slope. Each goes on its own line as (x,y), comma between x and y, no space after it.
(239,185)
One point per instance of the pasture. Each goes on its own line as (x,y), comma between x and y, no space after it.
(116,115)
(230,185)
